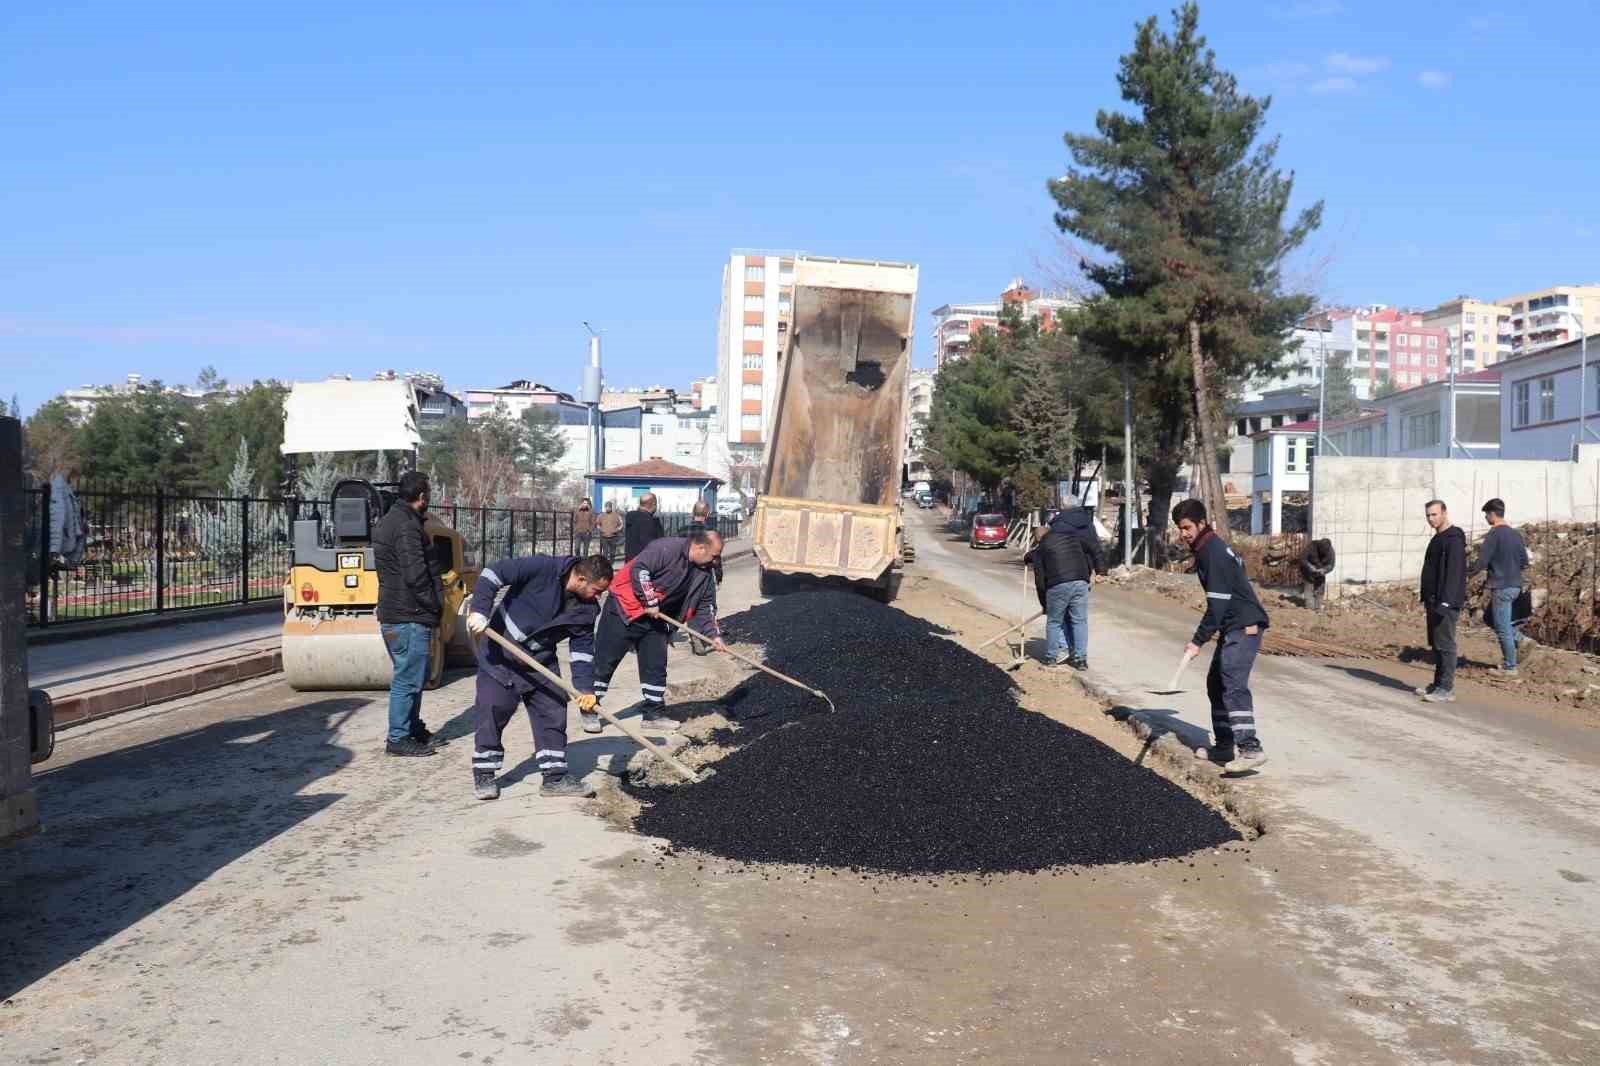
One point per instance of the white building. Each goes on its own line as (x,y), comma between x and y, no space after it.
(752,328)
(517,396)
(1550,317)
(1546,408)
(956,326)
(1418,421)
(1282,465)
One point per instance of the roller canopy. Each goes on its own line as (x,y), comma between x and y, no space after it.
(350,416)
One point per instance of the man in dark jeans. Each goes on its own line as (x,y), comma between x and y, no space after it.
(1444,590)
(1503,554)
(642,527)
(700,522)
(1235,617)
(410,602)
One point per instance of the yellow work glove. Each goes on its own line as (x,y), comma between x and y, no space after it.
(587,703)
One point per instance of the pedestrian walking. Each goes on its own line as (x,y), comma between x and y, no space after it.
(671,577)
(582,528)
(547,599)
(1315,566)
(410,602)
(1444,590)
(1503,555)
(608,523)
(1064,562)
(1235,617)
(642,527)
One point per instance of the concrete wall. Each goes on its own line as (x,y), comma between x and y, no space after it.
(1372,509)
(19,812)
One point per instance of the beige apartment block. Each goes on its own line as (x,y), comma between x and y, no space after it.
(1479,331)
(1547,317)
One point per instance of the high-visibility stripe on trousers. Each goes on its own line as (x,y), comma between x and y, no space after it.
(1233,709)
(647,637)
(547,713)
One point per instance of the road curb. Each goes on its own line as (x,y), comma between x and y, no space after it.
(103,627)
(93,704)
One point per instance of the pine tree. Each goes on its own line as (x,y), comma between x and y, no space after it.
(1042,415)
(1339,398)
(241,477)
(1191,209)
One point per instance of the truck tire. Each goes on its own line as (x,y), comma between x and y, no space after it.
(886,590)
(767,581)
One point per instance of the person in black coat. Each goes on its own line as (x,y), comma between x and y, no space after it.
(1315,566)
(1443,591)
(410,602)
(641,527)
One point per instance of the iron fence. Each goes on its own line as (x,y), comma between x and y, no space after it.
(155,553)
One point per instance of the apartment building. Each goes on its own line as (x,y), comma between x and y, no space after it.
(957,325)
(1551,316)
(752,329)
(1479,331)
(517,396)
(1389,344)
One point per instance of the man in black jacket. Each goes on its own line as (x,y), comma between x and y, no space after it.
(1235,617)
(642,527)
(1315,566)
(1503,554)
(1063,562)
(1444,590)
(410,601)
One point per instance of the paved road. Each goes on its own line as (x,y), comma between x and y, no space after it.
(1473,828)
(73,665)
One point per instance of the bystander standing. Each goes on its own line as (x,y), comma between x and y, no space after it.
(1503,555)
(1443,591)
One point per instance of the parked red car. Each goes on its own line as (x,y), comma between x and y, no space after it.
(988,531)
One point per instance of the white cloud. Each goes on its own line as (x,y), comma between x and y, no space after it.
(1345,63)
(1334,85)
(1433,79)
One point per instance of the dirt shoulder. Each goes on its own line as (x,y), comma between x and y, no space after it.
(1386,625)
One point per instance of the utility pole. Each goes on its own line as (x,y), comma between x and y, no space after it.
(1322,418)
(1128,502)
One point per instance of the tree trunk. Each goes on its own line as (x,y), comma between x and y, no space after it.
(1205,460)
(1162,475)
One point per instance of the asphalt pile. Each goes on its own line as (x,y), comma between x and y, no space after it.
(929,765)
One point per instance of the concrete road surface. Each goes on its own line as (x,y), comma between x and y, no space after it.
(1464,838)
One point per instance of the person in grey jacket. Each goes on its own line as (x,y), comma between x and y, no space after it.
(1503,555)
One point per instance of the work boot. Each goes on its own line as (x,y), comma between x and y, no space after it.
(484,785)
(1081,663)
(1510,673)
(423,735)
(1060,660)
(565,786)
(658,722)
(592,723)
(1219,756)
(1247,759)
(409,748)
(1440,695)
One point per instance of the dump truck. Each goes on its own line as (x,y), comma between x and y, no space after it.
(331,638)
(830,502)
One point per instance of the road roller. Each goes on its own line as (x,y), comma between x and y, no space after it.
(331,638)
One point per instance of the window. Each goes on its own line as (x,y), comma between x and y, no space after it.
(1468,336)
(755,273)
(1433,358)
(752,333)
(754,303)
(1241,427)
(752,362)
(657,429)
(751,391)
(1471,318)
(1420,431)
(1292,452)
(1547,399)
(1261,454)
(750,423)
(1277,420)
(1519,404)
(1433,342)
(1402,340)
(1561,299)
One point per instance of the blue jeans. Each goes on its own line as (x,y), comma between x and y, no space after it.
(408,645)
(1066,620)
(1500,614)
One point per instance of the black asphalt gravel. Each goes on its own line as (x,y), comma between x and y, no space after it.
(929,765)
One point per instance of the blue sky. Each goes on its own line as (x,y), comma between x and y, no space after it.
(305,189)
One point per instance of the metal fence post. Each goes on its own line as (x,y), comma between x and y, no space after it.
(44,555)
(244,549)
(161,551)
(533,540)
(483,536)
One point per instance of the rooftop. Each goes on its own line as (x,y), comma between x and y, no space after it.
(656,470)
